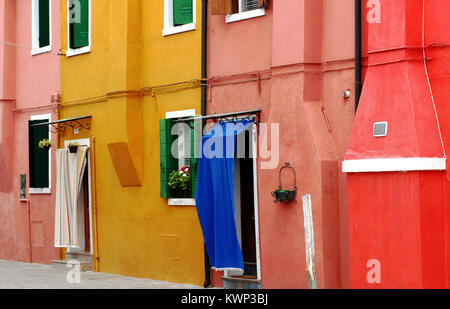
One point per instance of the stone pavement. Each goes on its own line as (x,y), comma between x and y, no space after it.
(17,275)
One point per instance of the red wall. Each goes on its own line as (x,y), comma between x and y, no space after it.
(401,218)
(304,53)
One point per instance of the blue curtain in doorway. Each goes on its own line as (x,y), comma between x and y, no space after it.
(215,195)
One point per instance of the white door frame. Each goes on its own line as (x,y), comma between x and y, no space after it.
(229,273)
(86,142)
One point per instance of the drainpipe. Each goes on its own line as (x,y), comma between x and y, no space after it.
(204,89)
(204,55)
(358,58)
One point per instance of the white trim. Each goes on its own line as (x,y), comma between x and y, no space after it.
(85,142)
(40,190)
(79,51)
(394,165)
(35,49)
(255,198)
(245,15)
(181,201)
(83,50)
(47,190)
(229,272)
(81,142)
(179,114)
(169,28)
(43,50)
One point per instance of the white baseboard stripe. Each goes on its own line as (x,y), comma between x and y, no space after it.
(394,165)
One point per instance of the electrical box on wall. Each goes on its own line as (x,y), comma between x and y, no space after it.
(23,186)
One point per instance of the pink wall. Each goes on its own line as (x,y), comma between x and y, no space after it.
(29,81)
(303,67)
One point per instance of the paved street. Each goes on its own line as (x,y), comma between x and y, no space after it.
(15,275)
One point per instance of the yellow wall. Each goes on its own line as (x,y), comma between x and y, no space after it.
(138,233)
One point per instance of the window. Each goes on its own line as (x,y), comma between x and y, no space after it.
(179,16)
(179,139)
(236,10)
(41,26)
(39,159)
(246,5)
(79,26)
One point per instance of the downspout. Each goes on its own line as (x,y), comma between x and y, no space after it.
(358,58)
(204,98)
(204,55)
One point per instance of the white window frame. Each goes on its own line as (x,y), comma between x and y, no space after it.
(242,15)
(169,28)
(181,201)
(35,49)
(83,50)
(47,190)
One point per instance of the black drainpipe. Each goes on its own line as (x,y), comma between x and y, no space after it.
(204,88)
(358,58)
(204,54)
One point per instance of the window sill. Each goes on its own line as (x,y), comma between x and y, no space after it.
(78,51)
(42,50)
(181,202)
(179,29)
(245,15)
(40,191)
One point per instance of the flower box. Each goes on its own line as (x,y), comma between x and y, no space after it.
(73,148)
(284,196)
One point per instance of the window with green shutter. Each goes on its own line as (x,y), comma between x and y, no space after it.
(182,12)
(168,163)
(38,158)
(44,23)
(78,23)
(194,161)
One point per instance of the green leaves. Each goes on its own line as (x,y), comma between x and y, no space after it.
(180,179)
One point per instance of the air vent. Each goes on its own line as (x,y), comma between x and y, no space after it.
(380,129)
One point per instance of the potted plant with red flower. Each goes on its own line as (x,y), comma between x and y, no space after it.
(180,182)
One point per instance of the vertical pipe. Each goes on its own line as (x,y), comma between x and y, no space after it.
(93,188)
(203,107)
(204,55)
(358,61)
(30,248)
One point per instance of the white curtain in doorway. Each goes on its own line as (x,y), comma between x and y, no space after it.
(69,175)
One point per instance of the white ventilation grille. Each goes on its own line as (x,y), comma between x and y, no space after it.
(380,129)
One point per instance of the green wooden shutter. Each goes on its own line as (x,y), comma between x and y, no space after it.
(167,162)
(44,23)
(182,12)
(194,160)
(38,158)
(79,32)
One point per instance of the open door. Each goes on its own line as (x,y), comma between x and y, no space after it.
(245,206)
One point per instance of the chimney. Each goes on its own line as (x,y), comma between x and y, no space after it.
(395,91)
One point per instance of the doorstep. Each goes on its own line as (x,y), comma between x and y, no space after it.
(83,257)
(241,282)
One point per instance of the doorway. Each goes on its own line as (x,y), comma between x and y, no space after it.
(246,205)
(84,209)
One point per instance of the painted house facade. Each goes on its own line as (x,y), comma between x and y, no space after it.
(123,89)
(29,66)
(291,60)
(398,180)
(129,66)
